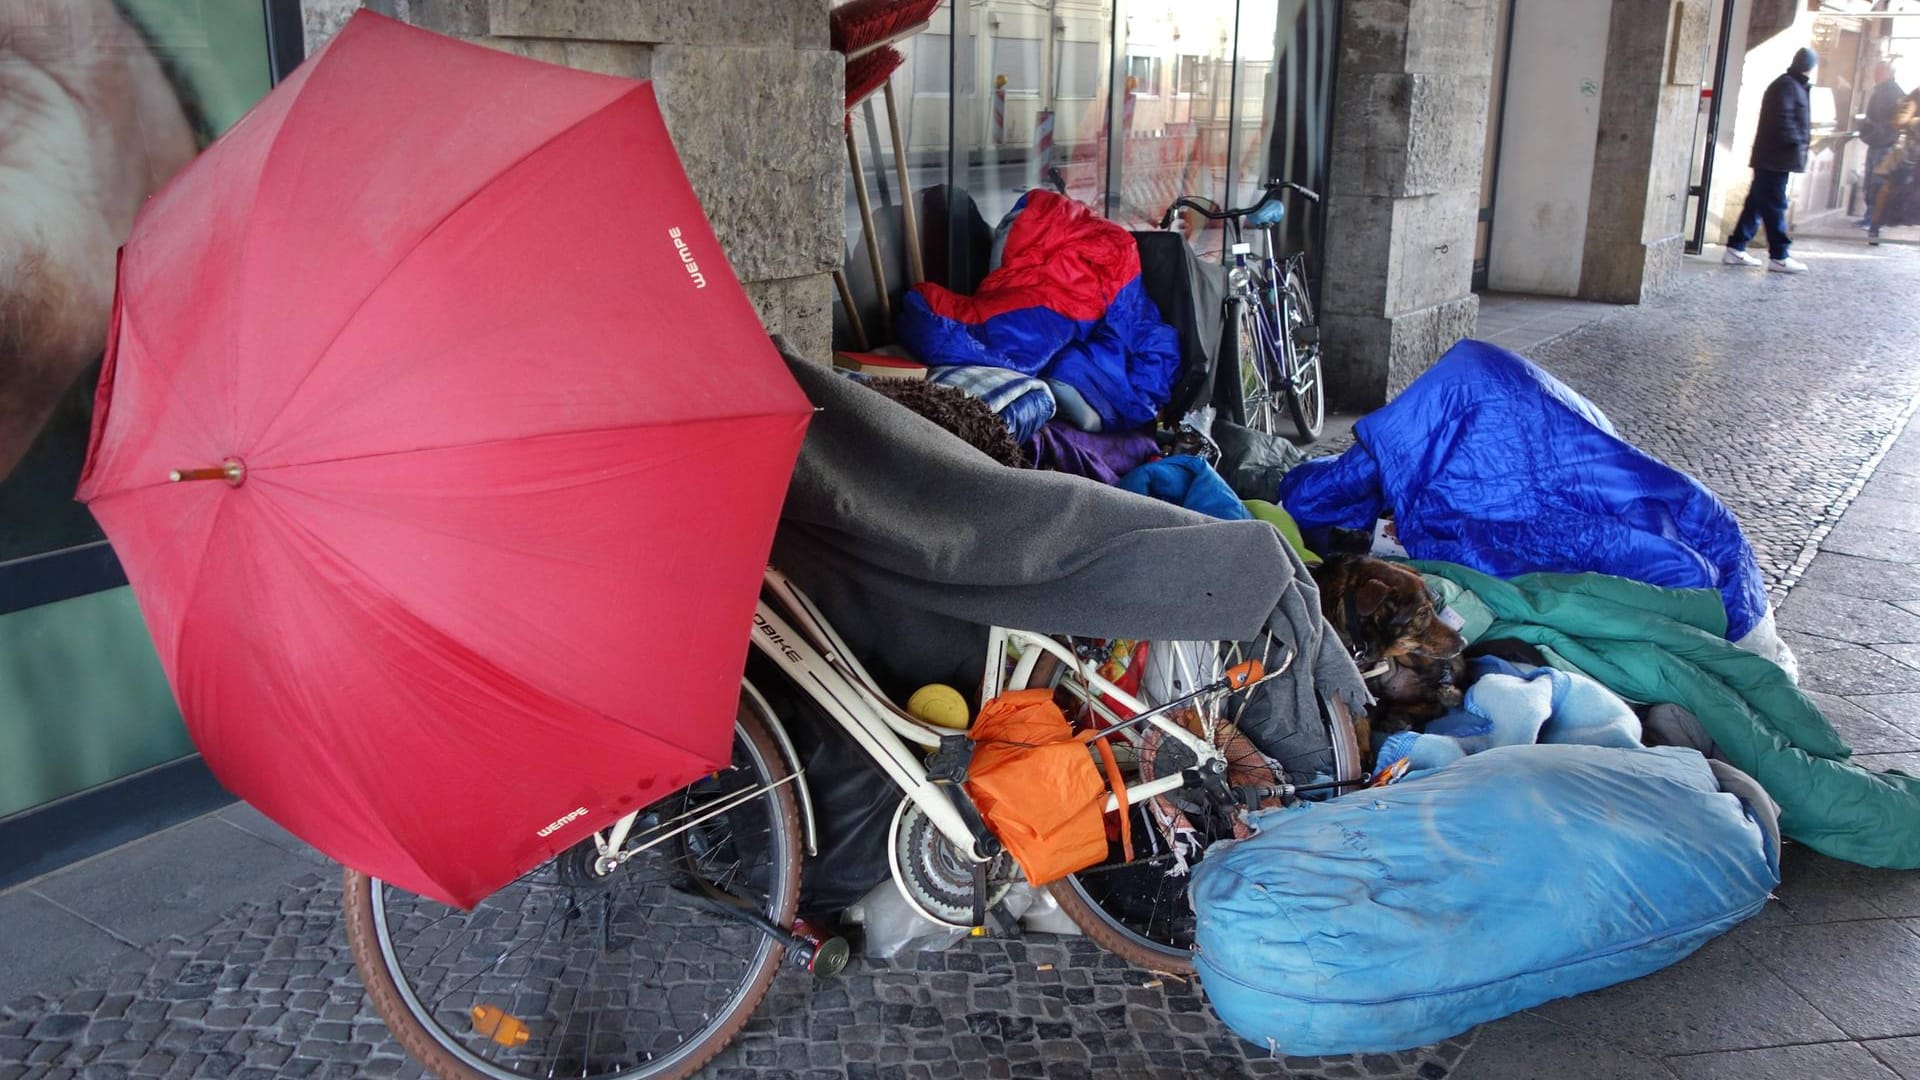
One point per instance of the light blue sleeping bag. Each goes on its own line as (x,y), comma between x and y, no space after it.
(1390,918)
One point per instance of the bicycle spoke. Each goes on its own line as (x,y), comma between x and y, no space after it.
(501,959)
(513,1001)
(593,1016)
(573,1005)
(456,913)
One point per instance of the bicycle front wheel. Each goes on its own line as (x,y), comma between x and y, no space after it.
(628,975)
(1261,379)
(1304,388)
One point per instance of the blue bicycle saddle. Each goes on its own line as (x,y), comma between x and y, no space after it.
(1270,214)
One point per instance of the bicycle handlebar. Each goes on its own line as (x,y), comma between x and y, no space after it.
(1273,192)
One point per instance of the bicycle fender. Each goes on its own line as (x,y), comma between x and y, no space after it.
(792,757)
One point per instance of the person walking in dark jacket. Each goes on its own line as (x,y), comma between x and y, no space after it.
(1779,149)
(1877,128)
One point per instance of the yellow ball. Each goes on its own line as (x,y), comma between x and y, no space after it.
(939,705)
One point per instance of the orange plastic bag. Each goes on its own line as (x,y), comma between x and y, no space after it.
(1038,788)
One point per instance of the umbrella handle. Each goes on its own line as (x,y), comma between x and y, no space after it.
(233,472)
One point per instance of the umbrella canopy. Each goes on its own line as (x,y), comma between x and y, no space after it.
(493,447)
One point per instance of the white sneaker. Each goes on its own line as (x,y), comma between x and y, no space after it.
(1737,257)
(1788,265)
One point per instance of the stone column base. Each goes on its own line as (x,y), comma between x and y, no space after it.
(1631,273)
(799,309)
(1370,358)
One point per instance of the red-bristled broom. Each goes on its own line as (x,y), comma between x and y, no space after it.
(866,74)
(861,30)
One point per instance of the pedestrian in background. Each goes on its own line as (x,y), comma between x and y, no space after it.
(1896,199)
(1877,129)
(1779,149)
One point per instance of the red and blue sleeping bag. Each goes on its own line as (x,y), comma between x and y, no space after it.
(1066,304)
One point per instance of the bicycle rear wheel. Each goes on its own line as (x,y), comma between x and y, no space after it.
(1304,388)
(1139,910)
(626,976)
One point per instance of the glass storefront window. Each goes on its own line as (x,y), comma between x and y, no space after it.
(1284,73)
(991,97)
(933,92)
(1174,97)
(146,83)
(1177,112)
(1081,101)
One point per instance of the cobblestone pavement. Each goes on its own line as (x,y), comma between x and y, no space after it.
(270,992)
(1773,390)
(1779,393)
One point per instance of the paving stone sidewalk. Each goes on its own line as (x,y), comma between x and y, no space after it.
(216,950)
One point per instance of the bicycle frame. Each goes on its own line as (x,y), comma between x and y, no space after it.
(1265,291)
(797,636)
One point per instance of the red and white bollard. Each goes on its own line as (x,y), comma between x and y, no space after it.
(1043,139)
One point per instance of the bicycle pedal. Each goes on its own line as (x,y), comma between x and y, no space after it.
(948,764)
(1000,924)
(831,958)
(823,954)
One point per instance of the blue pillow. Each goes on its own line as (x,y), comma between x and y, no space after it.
(1390,918)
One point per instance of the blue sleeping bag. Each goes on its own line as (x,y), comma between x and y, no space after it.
(1186,480)
(1488,461)
(1064,302)
(1390,918)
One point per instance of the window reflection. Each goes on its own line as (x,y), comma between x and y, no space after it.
(1176,112)
(1285,78)
(1199,97)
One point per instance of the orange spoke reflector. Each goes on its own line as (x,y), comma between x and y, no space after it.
(1244,674)
(499,1025)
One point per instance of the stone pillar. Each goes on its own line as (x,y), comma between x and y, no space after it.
(752,95)
(1656,59)
(1409,124)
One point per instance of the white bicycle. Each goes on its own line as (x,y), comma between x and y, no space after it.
(640,952)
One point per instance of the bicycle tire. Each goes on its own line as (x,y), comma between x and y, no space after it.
(1112,935)
(1096,912)
(1305,387)
(442,1052)
(1256,371)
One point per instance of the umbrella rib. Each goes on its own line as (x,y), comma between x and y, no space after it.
(256,470)
(128,329)
(267,158)
(199,579)
(480,188)
(293,524)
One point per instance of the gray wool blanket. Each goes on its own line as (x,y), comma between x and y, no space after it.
(915,543)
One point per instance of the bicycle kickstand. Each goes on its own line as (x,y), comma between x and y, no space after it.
(823,955)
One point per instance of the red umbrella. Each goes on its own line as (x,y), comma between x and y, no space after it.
(490,445)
